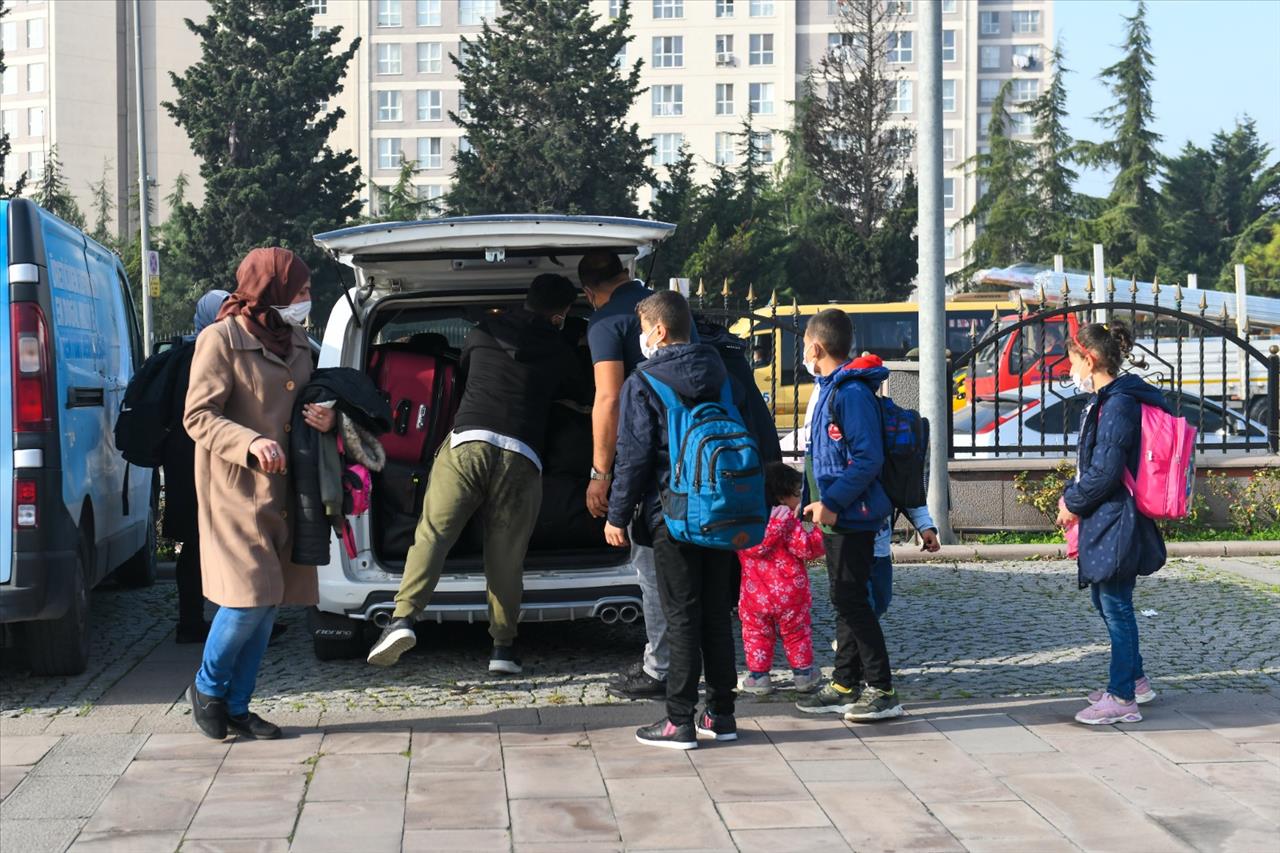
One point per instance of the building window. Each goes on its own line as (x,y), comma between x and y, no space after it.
(668,100)
(948,96)
(948,193)
(318,7)
(726,149)
(35,33)
(10,31)
(35,121)
(389,106)
(429,13)
(473,13)
(615,9)
(724,8)
(11,122)
(760,99)
(899,47)
(430,105)
(948,6)
(388,59)
(901,100)
(984,122)
(987,91)
(668,8)
(429,156)
(949,244)
(724,50)
(1026,55)
(1026,22)
(900,7)
(724,99)
(1020,124)
(464,109)
(764,148)
(464,145)
(35,165)
(430,57)
(760,8)
(388,153)
(948,45)
(761,52)
(1026,90)
(620,58)
(845,45)
(948,144)
(10,84)
(389,13)
(989,57)
(666,148)
(35,77)
(429,192)
(989,23)
(901,142)
(668,51)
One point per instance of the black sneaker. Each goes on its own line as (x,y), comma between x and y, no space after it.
(209,712)
(828,700)
(397,638)
(504,660)
(718,726)
(632,671)
(254,727)
(641,686)
(874,704)
(668,735)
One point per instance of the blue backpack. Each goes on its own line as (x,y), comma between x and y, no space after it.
(716,498)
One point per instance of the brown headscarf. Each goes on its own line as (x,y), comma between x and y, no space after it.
(266,278)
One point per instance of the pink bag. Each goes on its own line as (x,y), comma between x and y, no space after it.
(1166,466)
(1072,532)
(356,484)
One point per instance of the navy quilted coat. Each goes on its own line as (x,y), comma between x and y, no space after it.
(1116,541)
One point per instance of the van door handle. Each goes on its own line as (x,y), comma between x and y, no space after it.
(81,397)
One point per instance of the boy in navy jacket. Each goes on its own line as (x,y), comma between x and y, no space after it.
(842,468)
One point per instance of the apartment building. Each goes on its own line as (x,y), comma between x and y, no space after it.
(707,64)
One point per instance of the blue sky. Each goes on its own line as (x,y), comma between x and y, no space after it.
(1215,60)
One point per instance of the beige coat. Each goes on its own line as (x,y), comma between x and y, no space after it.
(240,391)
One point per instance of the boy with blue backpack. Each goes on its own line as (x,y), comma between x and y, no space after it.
(686,460)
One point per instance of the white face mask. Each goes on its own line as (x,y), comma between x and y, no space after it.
(1085,385)
(646,349)
(812,367)
(296,313)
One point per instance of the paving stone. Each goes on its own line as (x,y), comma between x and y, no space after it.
(456,800)
(245,845)
(767,779)
(1269,751)
(939,771)
(1191,746)
(842,771)
(22,724)
(876,816)
(441,751)
(165,841)
(1256,784)
(596,847)
(58,797)
(287,750)
(91,755)
(668,813)
(19,750)
(552,771)
(456,841)
(800,739)
(38,836)
(763,814)
(807,840)
(92,724)
(1239,726)
(341,743)
(343,827)
(518,736)
(154,795)
(984,734)
(1005,826)
(10,777)
(904,728)
(251,803)
(619,756)
(557,821)
(340,778)
(182,746)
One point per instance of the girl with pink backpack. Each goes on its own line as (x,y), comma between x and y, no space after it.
(1117,541)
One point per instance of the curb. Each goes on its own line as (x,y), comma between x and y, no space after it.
(1058,551)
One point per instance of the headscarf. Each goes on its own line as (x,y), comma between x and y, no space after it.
(207,308)
(266,278)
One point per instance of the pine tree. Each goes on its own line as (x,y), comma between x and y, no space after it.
(20,182)
(1054,227)
(400,201)
(103,206)
(546,121)
(1130,226)
(1191,243)
(51,191)
(677,200)
(254,108)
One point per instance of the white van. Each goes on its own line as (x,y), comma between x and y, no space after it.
(438,278)
(71,510)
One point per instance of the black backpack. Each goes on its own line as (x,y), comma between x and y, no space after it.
(148,413)
(905,473)
(755,411)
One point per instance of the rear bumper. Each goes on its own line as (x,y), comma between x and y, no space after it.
(558,605)
(40,587)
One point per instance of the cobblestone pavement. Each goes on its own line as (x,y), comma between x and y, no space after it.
(954,631)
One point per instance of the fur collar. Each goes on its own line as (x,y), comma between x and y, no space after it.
(360,445)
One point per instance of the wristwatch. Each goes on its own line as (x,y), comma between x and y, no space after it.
(596,475)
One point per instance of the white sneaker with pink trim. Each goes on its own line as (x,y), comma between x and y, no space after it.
(1142,692)
(1109,710)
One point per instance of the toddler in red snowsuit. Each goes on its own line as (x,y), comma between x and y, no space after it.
(775,596)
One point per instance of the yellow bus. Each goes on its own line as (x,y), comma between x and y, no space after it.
(891,330)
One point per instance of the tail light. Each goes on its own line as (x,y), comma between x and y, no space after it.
(26,500)
(32,369)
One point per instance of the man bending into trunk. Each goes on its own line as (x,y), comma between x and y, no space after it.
(514,365)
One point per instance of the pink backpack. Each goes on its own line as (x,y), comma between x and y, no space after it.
(1166,466)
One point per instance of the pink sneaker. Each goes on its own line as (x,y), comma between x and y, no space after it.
(1108,710)
(1142,692)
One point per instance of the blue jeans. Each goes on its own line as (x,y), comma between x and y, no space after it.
(1114,600)
(233,653)
(880,586)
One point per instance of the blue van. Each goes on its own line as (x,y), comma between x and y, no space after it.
(71,511)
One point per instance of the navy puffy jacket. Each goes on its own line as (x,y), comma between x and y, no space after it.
(1116,541)
(847,459)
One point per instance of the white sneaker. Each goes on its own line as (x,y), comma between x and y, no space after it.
(1142,692)
(755,685)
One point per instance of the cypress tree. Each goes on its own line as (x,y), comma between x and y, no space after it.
(1052,178)
(677,200)
(52,194)
(103,206)
(400,201)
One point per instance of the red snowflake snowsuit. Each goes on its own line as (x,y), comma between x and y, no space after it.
(775,594)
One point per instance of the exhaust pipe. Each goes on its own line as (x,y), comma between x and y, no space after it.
(381,617)
(608,615)
(628,613)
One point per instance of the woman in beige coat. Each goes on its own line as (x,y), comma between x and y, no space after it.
(245,377)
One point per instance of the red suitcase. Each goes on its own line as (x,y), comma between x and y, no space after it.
(422,390)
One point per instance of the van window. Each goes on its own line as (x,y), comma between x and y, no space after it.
(131,321)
